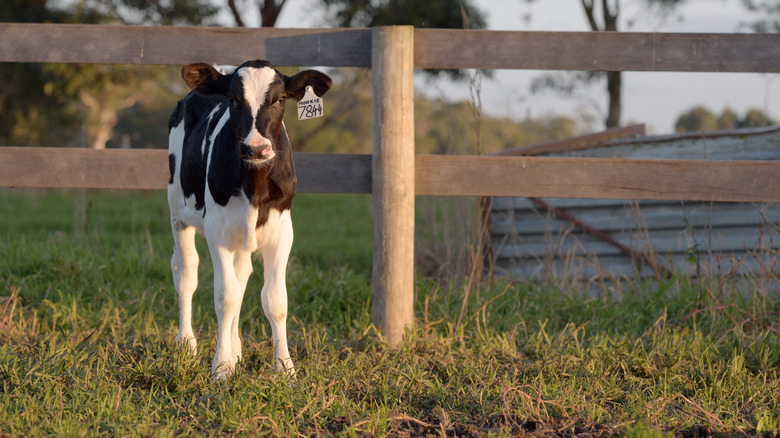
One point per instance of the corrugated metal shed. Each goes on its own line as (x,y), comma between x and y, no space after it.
(593,239)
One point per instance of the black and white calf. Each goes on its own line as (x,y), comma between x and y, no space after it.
(233,179)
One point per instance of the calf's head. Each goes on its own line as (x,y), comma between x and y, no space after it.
(256,93)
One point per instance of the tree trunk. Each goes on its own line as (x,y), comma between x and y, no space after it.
(614,88)
(102,117)
(614,78)
(269,12)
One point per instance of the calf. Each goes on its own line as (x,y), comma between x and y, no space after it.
(233,179)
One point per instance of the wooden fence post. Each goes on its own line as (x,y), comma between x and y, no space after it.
(392,106)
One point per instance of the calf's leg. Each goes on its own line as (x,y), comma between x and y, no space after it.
(184,267)
(242,264)
(227,303)
(274,294)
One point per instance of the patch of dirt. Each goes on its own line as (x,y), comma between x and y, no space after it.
(405,426)
(702,431)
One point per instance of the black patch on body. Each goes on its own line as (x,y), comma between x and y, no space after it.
(171,166)
(176,116)
(197,127)
(226,168)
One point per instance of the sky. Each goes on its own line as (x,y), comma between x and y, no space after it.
(653,98)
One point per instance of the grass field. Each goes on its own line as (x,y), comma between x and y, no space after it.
(88,320)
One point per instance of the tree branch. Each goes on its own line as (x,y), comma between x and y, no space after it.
(236,13)
(587,5)
(160,9)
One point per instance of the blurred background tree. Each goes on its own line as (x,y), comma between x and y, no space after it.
(79,104)
(700,119)
(34,112)
(768,10)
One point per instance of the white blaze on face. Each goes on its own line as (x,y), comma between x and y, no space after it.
(256,82)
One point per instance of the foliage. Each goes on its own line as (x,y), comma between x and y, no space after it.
(47,103)
(702,119)
(145,124)
(768,10)
(32,114)
(441,14)
(444,128)
(87,329)
(104,90)
(755,118)
(145,12)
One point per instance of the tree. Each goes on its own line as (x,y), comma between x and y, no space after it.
(728,119)
(755,118)
(45,103)
(442,14)
(33,111)
(158,12)
(604,16)
(105,90)
(93,93)
(701,119)
(430,13)
(769,10)
(697,119)
(268,11)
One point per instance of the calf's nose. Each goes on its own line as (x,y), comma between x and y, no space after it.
(258,148)
(258,142)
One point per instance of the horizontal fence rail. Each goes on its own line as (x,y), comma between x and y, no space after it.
(435,175)
(616,178)
(147,169)
(102,44)
(595,51)
(434,48)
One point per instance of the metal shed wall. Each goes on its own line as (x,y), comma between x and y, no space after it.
(692,238)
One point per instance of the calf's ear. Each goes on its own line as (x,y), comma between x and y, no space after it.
(205,79)
(296,85)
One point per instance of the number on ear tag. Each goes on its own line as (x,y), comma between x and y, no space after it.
(310,106)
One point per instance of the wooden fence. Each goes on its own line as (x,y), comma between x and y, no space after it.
(392,53)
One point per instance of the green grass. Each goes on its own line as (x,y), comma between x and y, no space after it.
(88,321)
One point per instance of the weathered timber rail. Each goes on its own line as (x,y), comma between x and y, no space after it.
(435,175)
(433,48)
